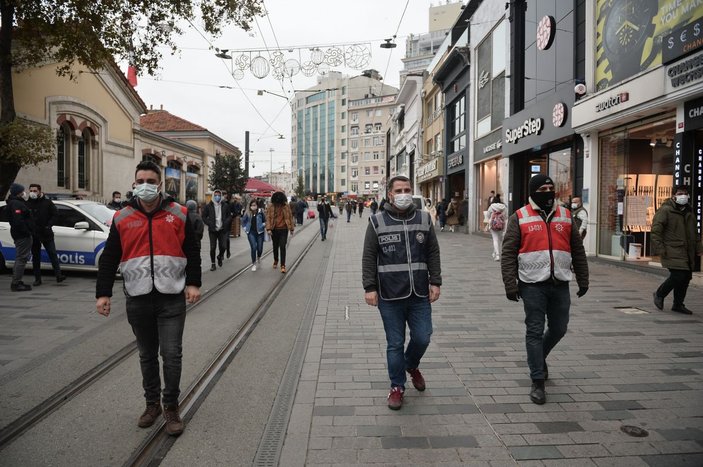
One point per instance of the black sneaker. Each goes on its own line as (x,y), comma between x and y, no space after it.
(20,287)
(681,309)
(537,394)
(219,261)
(658,301)
(213,267)
(37,282)
(60,278)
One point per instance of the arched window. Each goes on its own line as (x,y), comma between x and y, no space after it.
(85,144)
(63,155)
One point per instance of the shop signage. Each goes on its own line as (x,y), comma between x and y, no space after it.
(699,189)
(683,41)
(613,101)
(682,165)
(559,114)
(693,114)
(687,71)
(493,146)
(545,32)
(455,161)
(483,78)
(430,170)
(531,126)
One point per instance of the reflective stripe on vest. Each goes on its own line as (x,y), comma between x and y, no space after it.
(169,260)
(545,248)
(401,264)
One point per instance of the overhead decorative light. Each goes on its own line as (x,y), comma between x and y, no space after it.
(223,54)
(389,44)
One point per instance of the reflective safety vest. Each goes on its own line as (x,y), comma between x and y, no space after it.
(402,255)
(152,249)
(545,248)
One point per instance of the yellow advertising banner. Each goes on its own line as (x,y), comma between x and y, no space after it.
(630,34)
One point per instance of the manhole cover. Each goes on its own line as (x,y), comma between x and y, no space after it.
(634,431)
(628,310)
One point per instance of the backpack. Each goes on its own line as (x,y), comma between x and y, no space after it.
(496,221)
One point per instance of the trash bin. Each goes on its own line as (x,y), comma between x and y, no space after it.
(635,251)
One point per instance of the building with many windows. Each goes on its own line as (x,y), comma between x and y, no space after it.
(328,148)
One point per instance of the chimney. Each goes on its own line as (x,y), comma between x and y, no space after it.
(162,107)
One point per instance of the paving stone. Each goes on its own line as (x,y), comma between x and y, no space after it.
(440,442)
(319,411)
(558,427)
(620,405)
(676,434)
(535,452)
(674,460)
(409,442)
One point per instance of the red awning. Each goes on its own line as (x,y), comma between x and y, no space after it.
(257,186)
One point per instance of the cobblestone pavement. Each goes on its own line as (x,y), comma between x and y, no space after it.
(622,363)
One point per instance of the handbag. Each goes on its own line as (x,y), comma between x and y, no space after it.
(267,237)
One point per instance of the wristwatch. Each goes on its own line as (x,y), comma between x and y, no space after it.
(628,25)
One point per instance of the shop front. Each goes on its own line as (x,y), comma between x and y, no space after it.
(490,171)
(430,177)
(540,140)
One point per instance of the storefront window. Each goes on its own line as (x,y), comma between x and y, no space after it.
(636,176)
(561,172)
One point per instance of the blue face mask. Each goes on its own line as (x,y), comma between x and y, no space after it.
(218,198)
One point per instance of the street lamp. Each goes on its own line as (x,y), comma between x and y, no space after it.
(223,54)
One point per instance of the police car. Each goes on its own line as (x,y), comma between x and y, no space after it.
(80,232)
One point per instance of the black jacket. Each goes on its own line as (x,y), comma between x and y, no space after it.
(325,211)
(45,214)
(116,206)
(21,222)
(209,216)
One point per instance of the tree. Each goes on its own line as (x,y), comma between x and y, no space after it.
(300,187)
(93,34)
(227,174)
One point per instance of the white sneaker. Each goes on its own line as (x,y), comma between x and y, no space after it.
(497,258)
(253,267)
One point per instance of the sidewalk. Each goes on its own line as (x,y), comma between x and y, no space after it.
(622,363)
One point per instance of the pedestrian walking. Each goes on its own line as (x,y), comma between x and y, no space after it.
(301,210)
(324,211)
(280,222)
(540,248)
(675,238)
(254,224)
(402,275)
(21,229)
(348,208)
(153,243)
(442,214)
(196,221)
(580,216)
(116,202)
(491,198)
(497,220)
(374,207)
(453,213)
(235,208)
(217,217)
(340,207)
(361,208)
(44,214)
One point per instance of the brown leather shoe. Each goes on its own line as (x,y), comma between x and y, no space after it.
(153,410)
(174,424)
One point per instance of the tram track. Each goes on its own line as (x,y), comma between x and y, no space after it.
(39,412)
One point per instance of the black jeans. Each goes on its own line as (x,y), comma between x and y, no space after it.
(218,239)
(50,248)
(678,282)
(279,237)
(157,322)
(544,300)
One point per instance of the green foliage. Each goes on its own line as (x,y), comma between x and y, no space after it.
(94,33)
(25,143)
(227,174)
(300,188)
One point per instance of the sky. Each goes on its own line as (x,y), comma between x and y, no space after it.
(187,84)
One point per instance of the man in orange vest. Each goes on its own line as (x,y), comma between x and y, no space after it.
(540,247)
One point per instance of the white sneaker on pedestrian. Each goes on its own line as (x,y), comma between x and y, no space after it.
(493,255)
(253,267)
(497,258)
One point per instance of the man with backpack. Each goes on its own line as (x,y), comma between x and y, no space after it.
(497,218)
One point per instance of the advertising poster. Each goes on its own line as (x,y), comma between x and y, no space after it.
(172,182)
(191,185)
(630,34)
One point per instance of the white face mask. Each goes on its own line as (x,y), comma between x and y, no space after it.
(574,206)
(681,199)
(403,201)
(146,192)
(33,195)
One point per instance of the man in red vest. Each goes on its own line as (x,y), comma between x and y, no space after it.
(540,247)
(153,243)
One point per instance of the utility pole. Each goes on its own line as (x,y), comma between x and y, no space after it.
(246,154)
(271,168)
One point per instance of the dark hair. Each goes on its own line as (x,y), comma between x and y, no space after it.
(116,193)
(496,198)
(148,165)
(32,185)
(279,198)
(398,178)
(676,188)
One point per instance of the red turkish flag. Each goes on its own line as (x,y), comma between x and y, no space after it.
(132,75)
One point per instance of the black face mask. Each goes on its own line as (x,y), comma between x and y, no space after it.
(544,199)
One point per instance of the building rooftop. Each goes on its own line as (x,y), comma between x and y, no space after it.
(161,120)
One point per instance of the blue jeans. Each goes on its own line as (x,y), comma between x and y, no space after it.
(544,300)
(157,322)
(323,226)
(349,213)
(256,244)
(417,313)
